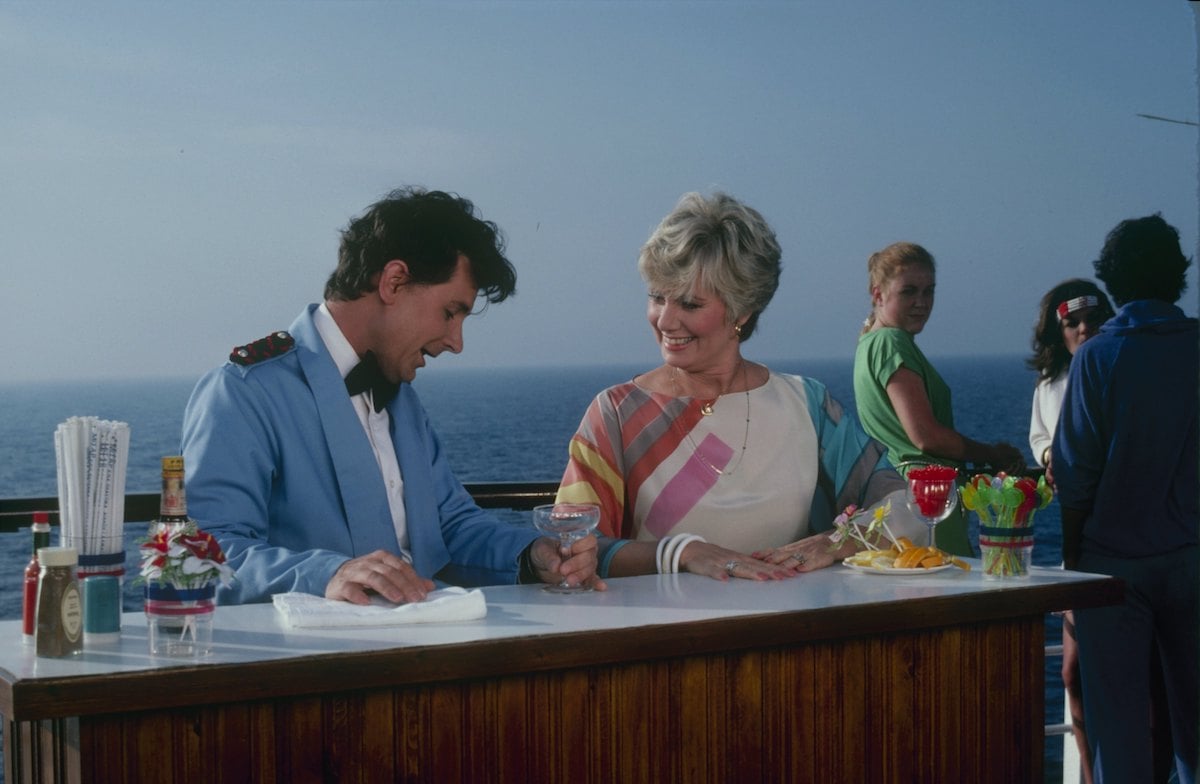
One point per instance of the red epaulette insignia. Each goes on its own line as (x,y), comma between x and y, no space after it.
(272,345)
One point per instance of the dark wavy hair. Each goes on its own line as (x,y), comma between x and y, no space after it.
(1141,259)
(427,230)
(1050,356)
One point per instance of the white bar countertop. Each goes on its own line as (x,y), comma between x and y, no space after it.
(257,633)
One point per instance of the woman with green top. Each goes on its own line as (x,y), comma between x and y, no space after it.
(902,400)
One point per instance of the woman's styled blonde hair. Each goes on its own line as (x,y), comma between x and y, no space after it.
(720,244)
(886,264)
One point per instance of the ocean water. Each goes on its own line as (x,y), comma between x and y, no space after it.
(496,425)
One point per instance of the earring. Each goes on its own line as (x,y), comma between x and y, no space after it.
(737,330)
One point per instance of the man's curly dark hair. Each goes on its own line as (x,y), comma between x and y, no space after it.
(1141,259)
(427,230)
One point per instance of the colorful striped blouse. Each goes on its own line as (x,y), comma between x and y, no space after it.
(767,467)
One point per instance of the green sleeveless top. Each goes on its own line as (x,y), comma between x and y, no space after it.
(879,355)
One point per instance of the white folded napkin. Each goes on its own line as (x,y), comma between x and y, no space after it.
(446,605)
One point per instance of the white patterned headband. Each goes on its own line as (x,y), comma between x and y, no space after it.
(1079,303)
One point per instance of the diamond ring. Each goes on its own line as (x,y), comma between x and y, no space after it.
(729,567)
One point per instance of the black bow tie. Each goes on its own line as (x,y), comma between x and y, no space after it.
(365,376)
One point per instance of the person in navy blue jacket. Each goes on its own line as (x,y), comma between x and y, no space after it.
(309,456)
(1125,461)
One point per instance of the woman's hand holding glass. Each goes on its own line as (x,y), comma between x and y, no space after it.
(569,549)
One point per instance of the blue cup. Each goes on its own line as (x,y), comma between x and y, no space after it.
(101,609)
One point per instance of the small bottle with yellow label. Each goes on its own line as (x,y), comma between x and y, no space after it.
(59,609)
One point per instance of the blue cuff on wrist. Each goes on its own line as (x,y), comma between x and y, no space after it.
(602,569)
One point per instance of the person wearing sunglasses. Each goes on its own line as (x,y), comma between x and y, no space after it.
(1069,314)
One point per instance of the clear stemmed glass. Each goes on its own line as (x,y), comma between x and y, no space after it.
(568,523)
(931,494)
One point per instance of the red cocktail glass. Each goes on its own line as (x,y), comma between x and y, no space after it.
(931,494)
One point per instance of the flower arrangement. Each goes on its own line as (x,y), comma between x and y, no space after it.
(847,525)
(180,566)
(1006,506)
(184,557)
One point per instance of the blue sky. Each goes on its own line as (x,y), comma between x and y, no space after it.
(173,176)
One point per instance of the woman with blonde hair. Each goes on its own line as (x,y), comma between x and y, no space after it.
(711,463)
(903,402)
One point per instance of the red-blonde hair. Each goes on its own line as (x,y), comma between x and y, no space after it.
(887,264)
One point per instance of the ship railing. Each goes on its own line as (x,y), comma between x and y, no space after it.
(1055,730)
(17,513)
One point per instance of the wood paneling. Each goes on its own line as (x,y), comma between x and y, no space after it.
(952,705)
(51,697)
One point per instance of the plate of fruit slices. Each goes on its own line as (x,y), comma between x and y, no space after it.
(892,570)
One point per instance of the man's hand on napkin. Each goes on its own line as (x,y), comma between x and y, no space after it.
(386,574)
(449,605)
(578,569)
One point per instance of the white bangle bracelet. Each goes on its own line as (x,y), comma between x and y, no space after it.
(684,541)
(675,552)
(664,564)
(658,554)
(668,553)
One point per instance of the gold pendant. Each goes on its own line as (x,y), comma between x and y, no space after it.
(707,409)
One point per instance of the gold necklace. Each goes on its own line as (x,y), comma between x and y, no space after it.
(707,407)
(745,434)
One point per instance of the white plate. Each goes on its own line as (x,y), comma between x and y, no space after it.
(896,572)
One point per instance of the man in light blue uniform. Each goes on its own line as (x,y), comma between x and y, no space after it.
(1125,462)
(310,457)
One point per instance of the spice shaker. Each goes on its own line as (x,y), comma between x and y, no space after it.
(59,609)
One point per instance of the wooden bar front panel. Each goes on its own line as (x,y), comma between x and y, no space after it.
(957,704)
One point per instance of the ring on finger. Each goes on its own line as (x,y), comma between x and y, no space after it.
(800,559)
(730,566)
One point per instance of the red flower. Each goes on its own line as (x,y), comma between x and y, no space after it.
(157,543)
(203,545)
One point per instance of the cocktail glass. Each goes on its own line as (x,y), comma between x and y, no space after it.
(931,494)
(568,523)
